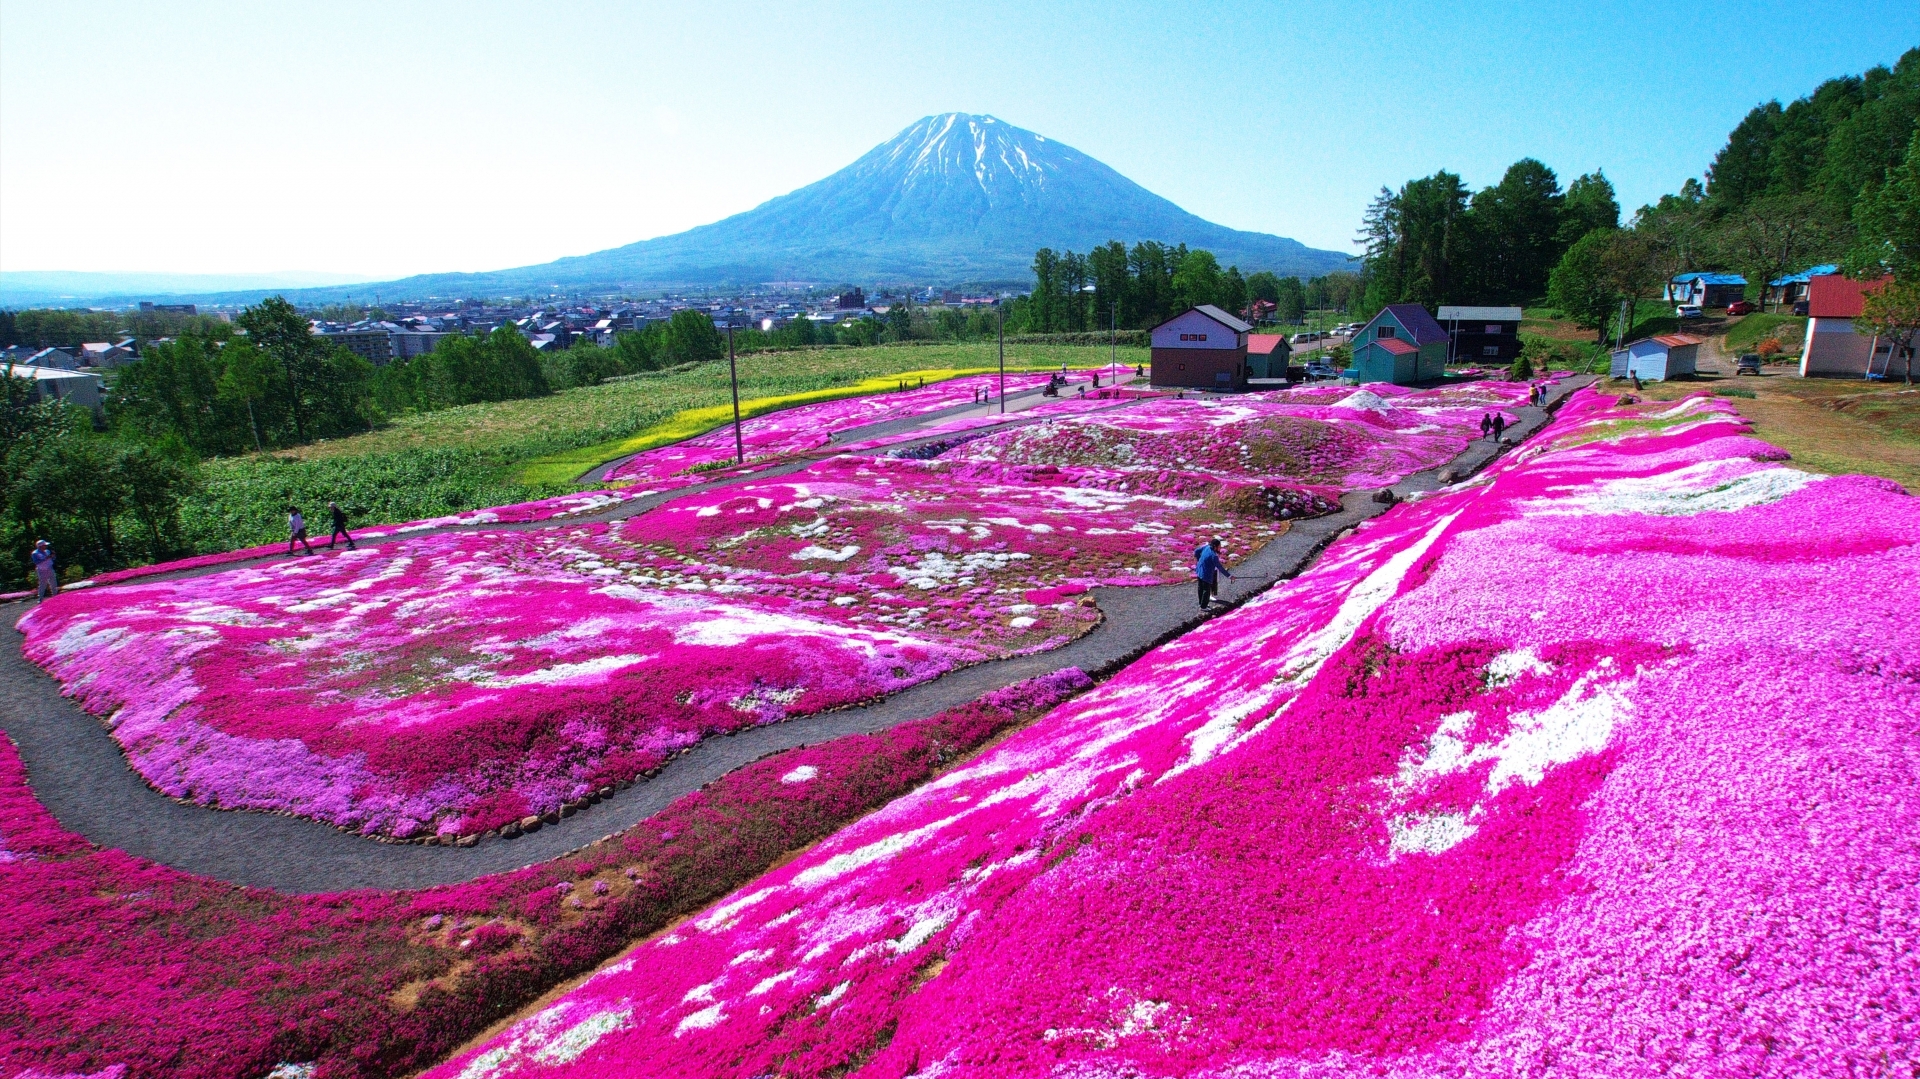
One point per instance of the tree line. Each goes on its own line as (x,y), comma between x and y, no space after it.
(1833,177)
(1435,241)
(1140,287)
(1828,178)
(61,328)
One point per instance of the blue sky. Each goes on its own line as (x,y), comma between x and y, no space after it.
(409,136)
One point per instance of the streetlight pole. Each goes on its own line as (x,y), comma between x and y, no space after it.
(1001,310)
(733,375)
(1113,343)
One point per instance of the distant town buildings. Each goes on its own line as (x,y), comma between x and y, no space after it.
(148,307)
(83,388)
(107,354)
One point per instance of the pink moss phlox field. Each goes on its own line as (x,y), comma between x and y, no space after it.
(545,509)
(451,684)
(802,429)
(455,683)
(112,966)
(448,684)
(1345,439)
(1069,404)
(1598,765)
(696,460)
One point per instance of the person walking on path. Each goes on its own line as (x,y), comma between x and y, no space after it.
(1206,570)
(1486,424)
(43,572)
(1499,425)
(339,526)
(297,529)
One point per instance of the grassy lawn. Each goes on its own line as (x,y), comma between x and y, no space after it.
(485,455)
(1829,425)
(1745,334)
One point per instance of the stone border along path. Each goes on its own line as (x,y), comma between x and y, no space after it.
(80,774)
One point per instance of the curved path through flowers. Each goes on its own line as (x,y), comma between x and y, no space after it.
(81,776)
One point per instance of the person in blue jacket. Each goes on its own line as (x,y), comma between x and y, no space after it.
(1206,570)
(42,559)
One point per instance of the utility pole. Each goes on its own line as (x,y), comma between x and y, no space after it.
(1001,309)
(733,375)
(1113,342)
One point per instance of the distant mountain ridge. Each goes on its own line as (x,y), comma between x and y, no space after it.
(24,287)
(953,199)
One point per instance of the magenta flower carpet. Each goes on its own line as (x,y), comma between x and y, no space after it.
(452,684)
(806,428)
(113,967)
(1600,764)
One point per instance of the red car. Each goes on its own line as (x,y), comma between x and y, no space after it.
(1741,307)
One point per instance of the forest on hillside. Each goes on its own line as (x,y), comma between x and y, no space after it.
(1830,177)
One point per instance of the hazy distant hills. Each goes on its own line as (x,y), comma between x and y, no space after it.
(47,288)
(953,199)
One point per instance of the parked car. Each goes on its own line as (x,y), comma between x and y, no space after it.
(1689,310)
(1741,307)
(1307,338)
(1749,364)
(1321,369)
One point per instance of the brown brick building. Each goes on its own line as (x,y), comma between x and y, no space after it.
(1201,348)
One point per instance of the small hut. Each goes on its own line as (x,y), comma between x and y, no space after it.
(1656,359)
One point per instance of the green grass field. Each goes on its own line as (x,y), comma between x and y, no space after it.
(1746,334)
(486,455)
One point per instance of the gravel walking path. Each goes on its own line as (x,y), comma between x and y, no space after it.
(80,774)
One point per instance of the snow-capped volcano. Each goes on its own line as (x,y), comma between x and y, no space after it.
(942,151)
(953,198)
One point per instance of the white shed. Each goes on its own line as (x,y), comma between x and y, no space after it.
(1657,359)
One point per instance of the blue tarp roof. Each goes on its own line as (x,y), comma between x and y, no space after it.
(1712,278)
(1802,277)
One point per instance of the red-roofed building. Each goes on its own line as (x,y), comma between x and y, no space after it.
(1402,344)
(1834,349)
(1267,355)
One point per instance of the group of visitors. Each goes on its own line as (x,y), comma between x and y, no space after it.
(1492,425)
(47,576)
(297,528)
(1537,395)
